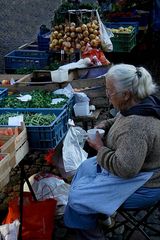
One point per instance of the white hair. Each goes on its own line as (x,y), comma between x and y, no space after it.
(136,79)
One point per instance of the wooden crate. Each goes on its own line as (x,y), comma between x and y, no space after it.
(94,88)
(88,72)
(9,147)
(4,163)
(4,179)
(4,169)
(13,146)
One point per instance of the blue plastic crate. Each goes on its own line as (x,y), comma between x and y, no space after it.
(43,41)
(3,93)
(44,137)
(33,59)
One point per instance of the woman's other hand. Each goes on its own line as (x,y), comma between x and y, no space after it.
(97,143)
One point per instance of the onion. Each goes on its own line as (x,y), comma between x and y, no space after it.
(82,43)
(84,27)
(91,30)
(60,27)
(73,24)
(67,29)
(54,42)
(92,36)
(78,29)
(68,34)
(73,29)
(95,32)
(89,25)
(80,36)
(86,39)
(60,41)
(78,46)
(55,33)
(85,33)
(56,27)
(73,34)
(69,39)
(59,35)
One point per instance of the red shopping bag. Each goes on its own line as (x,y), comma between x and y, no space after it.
(38,217)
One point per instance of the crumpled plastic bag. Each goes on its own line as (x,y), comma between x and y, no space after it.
(61,74)
(72,151)
(10,231)
(47,185)
(68,91)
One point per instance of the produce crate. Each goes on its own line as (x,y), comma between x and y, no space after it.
(122,24)
(88,72)
(45,137)
(119,45)
(4,169)
(9,147)
(4,163)
(28,59)
(29,46)
(123,42)
(21,137)
(16,146)
(43,41)
(3,93)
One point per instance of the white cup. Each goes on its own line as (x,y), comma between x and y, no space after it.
(92,133)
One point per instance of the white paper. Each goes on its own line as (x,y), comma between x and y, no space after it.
(15,121)
(25,98)
(57,100)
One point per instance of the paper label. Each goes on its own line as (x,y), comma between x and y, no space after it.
(15,121)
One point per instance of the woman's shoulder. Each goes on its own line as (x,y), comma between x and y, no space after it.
(140,122)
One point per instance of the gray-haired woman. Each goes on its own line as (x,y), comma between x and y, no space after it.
(126,169)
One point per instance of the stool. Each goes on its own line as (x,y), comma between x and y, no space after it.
(88,119)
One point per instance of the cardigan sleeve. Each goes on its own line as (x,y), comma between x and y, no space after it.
(128,157)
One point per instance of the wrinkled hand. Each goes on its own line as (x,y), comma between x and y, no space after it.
(96,143)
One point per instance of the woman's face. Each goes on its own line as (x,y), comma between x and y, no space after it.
(116,97)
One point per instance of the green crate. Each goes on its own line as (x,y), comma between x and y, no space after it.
(124,42)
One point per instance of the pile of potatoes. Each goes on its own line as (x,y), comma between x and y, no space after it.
(71,37)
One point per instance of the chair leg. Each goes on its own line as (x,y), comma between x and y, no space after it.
(136,224)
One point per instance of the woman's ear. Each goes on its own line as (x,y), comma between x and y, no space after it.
(127,95)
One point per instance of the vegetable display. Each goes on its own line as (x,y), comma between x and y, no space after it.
(40,99)
(30,119)
(71,36)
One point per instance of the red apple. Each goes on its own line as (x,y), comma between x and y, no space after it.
(5,82)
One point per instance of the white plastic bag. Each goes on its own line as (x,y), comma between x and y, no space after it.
(105,35)
(10,231)
(47,185)
(72,151)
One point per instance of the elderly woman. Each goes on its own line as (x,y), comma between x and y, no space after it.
(126,169)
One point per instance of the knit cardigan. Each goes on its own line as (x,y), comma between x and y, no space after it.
(132,145)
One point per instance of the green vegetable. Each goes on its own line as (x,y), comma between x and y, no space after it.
(30,119)
(40,99)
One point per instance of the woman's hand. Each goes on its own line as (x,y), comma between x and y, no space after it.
(97,143)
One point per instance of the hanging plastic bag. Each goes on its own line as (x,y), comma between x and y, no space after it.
(38,217)
(73,153)
(105,35)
